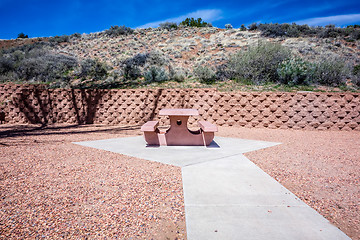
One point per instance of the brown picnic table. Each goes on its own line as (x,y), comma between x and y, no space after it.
(178,134)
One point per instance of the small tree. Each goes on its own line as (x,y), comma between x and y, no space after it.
(228,26)
(22,35)
(242,28)
(191,22)
(252,26)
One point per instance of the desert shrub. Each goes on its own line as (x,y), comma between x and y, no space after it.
(135,67)
(292,30)
(156,74)
(283,30)
(168,25)
(44,66)
(353,26)
(330,31)
(94,69)
(156,58)
(242,27)
(138,59)
(331,71)
(296,71)
(356,75)
(115,31)
(228,26)
(350,33)
(34,62)
(356,69)
(205,74)
(305,30)
(252,26)
(177,74)
(59,39)
(75,35)
(354,34)
(22,35)
(272,30)
(131,66)
(37,63)
(259,63)
(6,65)
(191,22)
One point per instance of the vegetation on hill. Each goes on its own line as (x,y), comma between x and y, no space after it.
(258,55)
(22,35)
(350,33)
(191,22)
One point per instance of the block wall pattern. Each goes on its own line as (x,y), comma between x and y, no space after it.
(301,110)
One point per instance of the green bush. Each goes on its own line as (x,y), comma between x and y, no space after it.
(34,63)
(205,74)
(37,63)
(156,74)
(135,67)
(43,66)
(191,22)
(131,66)
(331,71)
(177,74)
(259,63)
(93,69)
(296,71)
(115,31)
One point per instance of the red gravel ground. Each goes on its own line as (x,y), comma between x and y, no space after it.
(51,188)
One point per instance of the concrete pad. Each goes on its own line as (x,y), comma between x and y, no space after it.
(262,222)
(226,195)
(232,198)
(178,155)
(233,180)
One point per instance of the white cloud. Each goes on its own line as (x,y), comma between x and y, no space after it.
(207,15)
(338,20)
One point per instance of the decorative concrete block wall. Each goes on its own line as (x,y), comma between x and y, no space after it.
(301,110)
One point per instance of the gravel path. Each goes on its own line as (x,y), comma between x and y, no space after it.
(52,188)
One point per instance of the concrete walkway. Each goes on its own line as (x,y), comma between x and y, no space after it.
(226,195)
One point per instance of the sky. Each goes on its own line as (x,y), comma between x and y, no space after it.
(44,18)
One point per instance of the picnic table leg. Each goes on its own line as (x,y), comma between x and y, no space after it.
(207,137)
(151,138)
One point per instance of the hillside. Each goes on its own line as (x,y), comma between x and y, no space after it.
(198,56)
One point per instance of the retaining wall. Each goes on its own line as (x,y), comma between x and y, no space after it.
(301,110)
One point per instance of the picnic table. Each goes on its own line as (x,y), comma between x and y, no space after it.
(178,134)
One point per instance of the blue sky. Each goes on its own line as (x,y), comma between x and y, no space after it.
(39,18)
